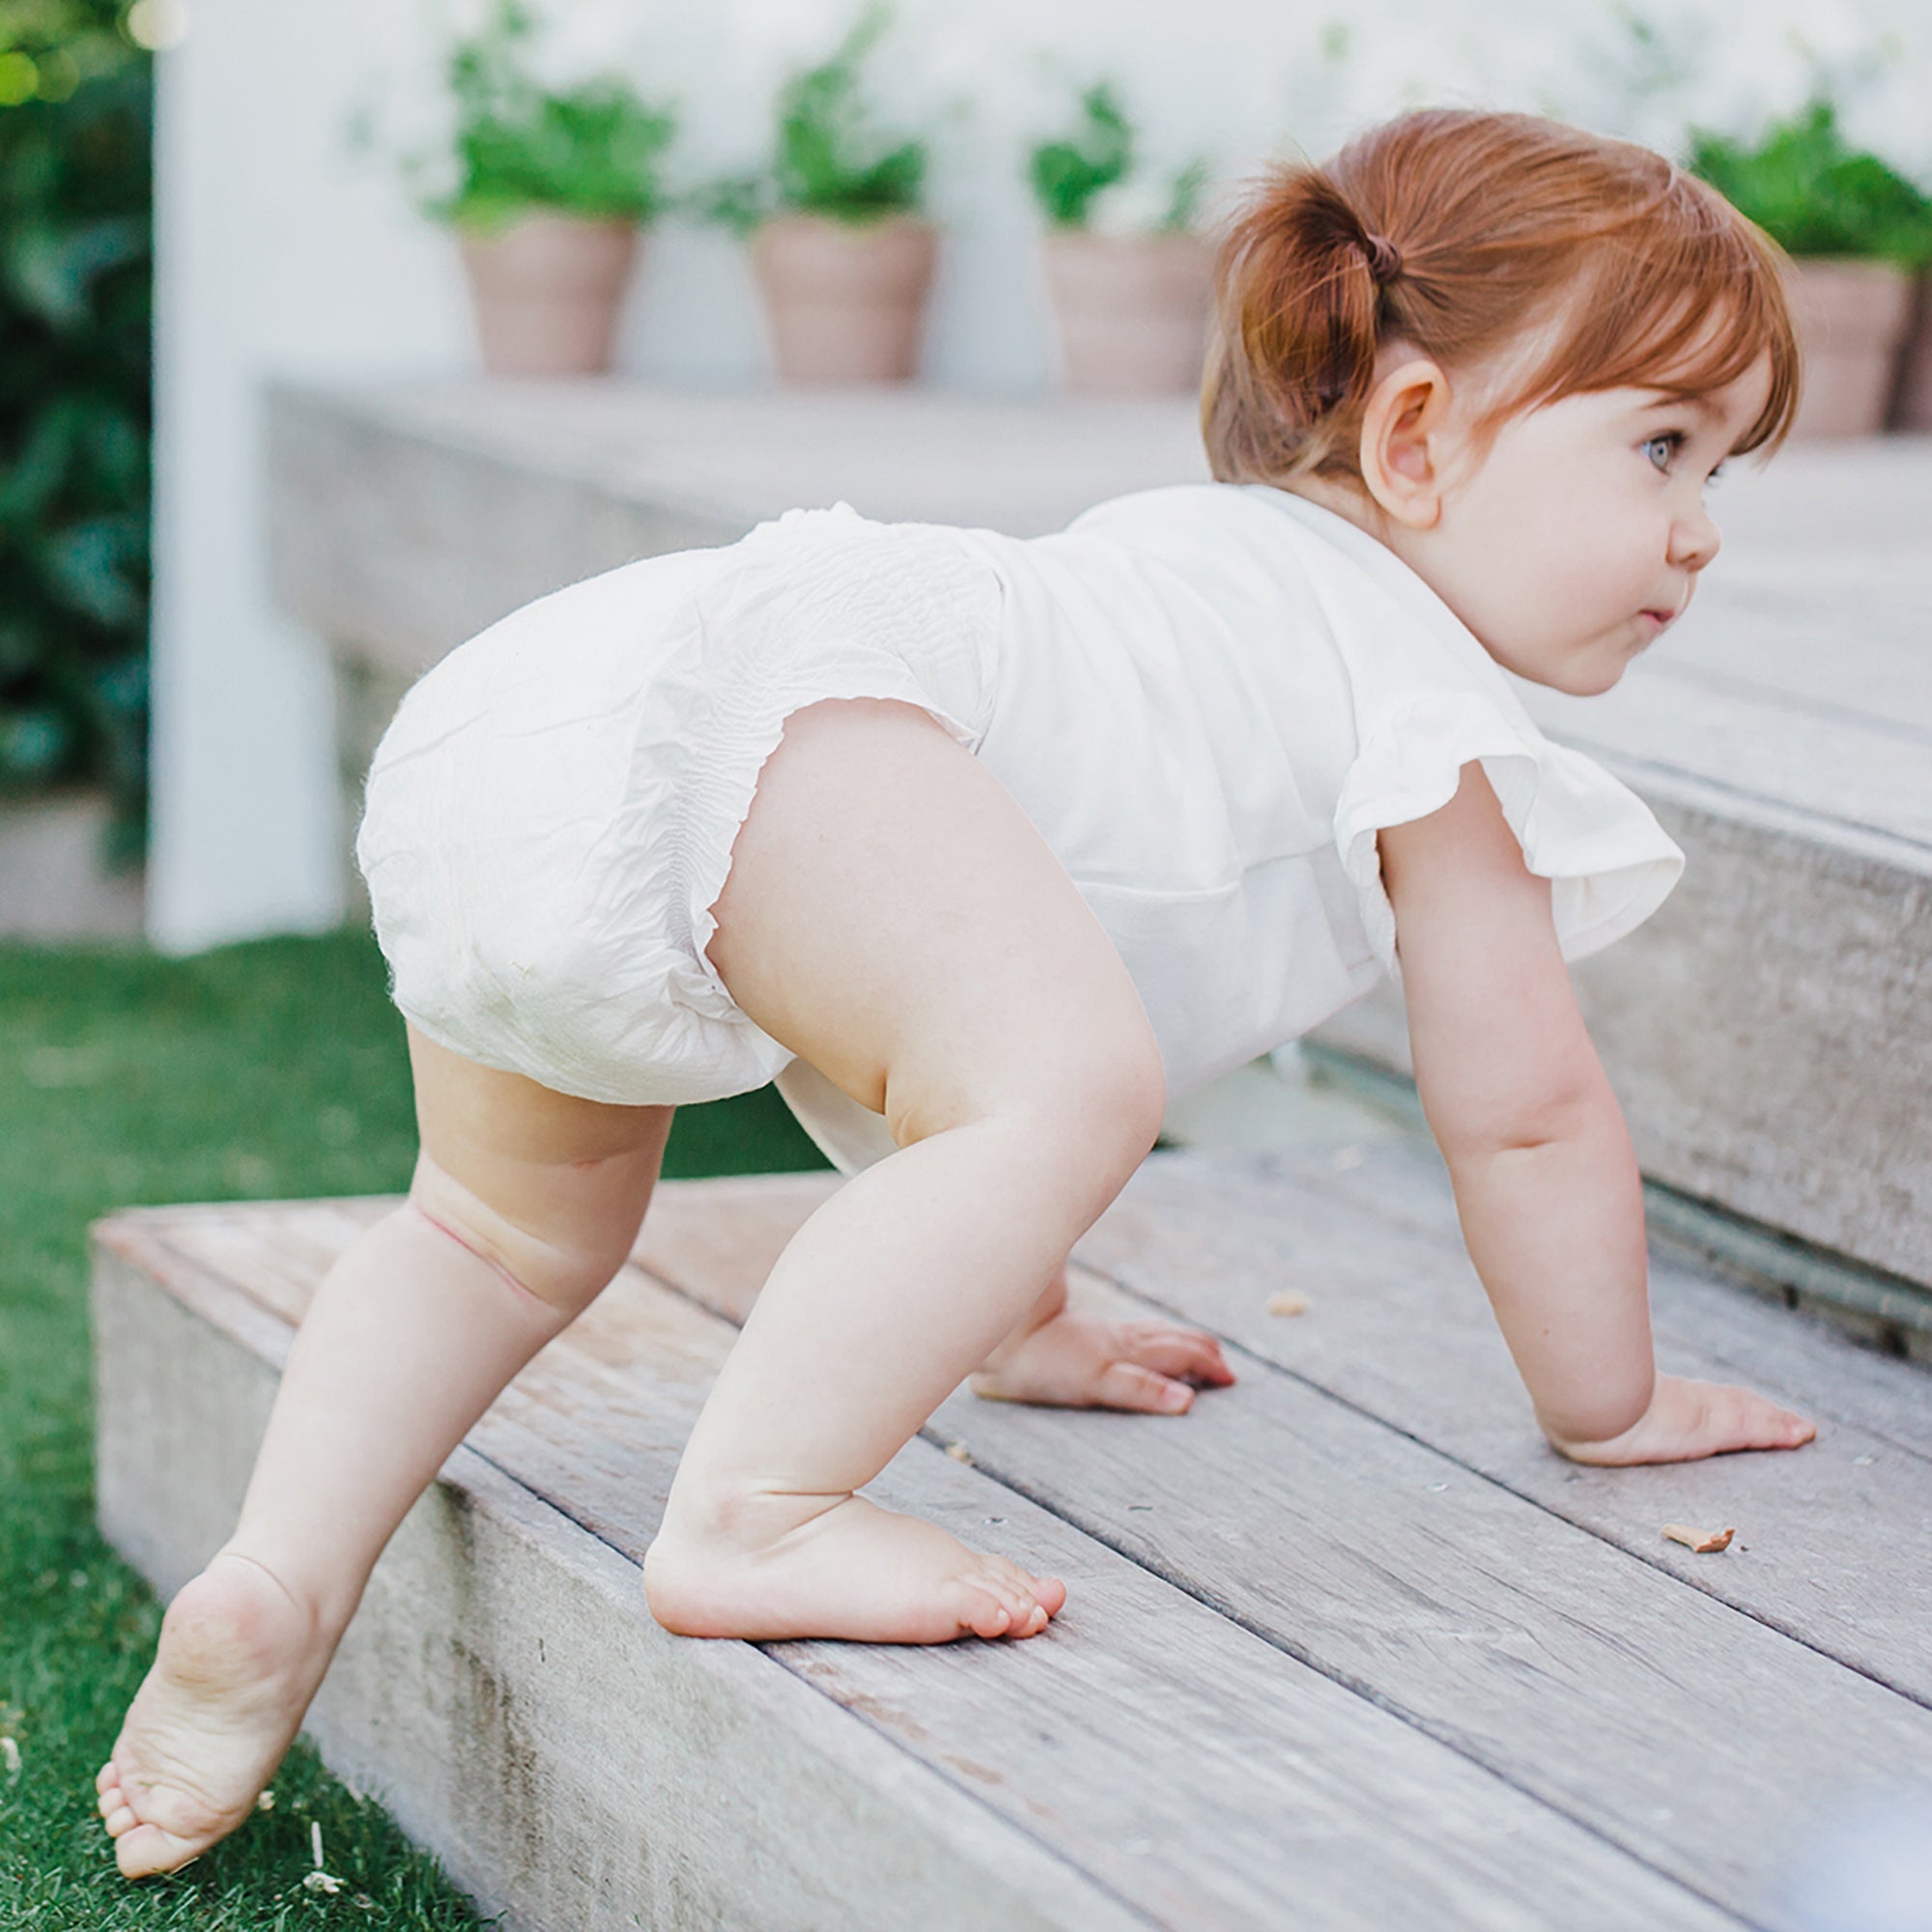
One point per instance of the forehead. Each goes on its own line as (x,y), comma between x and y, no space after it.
(1732,404)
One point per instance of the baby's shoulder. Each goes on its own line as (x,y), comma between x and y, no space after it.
(1204,510)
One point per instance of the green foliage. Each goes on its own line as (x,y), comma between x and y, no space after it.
(1066,174)
(275,1069)
(1816,195)
(1183,207)
(591,150)
(75,131)
(829,158)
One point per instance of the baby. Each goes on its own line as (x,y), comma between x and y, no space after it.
(984,847)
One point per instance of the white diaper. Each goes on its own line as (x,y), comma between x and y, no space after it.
(549,818)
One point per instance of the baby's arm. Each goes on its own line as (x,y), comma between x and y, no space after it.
(1545,1181)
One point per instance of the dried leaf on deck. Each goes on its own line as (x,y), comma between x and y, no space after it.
(1703,1541)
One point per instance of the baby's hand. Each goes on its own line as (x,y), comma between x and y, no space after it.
(1687,1420)
(1079,1361)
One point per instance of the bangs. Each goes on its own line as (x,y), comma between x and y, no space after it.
(1685,296)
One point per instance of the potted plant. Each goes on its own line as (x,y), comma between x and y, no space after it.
(552,191)
(1131,281)
(1857,232)
(842,252)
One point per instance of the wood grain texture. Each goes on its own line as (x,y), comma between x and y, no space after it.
(1565,1654)
(506,1695)
(1831,1538)
(1189,1772)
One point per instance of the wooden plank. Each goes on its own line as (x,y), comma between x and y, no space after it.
(1692,1736)
(1172,1759)
(1831,1540)
(503,1692)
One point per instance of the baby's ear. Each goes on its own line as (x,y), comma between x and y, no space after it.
(1402,438)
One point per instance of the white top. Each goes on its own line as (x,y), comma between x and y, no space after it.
(1206,698)
(1210,699)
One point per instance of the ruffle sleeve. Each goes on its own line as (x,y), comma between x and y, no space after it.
(1428,700)
(1609,864)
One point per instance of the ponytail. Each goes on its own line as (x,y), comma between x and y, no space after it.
(1303,286)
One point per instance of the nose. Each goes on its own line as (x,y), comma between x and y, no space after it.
(1694,539)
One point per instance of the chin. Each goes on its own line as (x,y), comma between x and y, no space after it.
(1587,684)
(1576,683)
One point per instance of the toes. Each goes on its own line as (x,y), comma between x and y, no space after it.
(984,1615)
(105,1776)
(121,1819)
(146,1850)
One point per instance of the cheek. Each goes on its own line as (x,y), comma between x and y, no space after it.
(1544,558)
(1571,559)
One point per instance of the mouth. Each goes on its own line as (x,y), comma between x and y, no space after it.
(1657,620)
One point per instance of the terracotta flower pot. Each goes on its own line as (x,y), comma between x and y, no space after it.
(846,301)
(1133,310)
(1912,404)
(1851,320)
(547,290)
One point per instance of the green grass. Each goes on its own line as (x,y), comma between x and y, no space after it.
(257,1071)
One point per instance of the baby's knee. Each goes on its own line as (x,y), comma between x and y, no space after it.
(564,1269)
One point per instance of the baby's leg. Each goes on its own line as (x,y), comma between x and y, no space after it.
(524,1204)
(893,917)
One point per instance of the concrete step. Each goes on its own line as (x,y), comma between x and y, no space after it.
(1345,1645)
(1769,1030)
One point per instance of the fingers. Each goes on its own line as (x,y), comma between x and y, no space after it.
(1130,1385)
(1186,1354)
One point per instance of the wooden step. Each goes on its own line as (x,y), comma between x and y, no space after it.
(1767,1031)
(1344,1646)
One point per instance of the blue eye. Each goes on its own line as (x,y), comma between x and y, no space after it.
(1716,477)
(1669,441)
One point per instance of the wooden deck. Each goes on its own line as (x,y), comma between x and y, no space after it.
(1347,1646)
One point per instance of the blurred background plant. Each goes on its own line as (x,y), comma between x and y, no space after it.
(1814,193)
(75,256)
(1066,174)
(593,149)
(1088,179)
(831,159)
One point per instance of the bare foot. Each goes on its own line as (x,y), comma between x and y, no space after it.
(1689,1420)
(1080,1361)
(237,1663)
(838,1567)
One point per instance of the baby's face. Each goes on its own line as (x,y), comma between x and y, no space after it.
(1578,540)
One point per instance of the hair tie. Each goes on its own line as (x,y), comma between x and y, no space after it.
(1385,259)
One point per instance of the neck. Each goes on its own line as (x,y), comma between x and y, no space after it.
(1345,500)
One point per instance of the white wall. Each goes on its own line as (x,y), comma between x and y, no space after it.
(283,250)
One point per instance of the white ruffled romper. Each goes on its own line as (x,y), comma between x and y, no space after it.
(1207,699)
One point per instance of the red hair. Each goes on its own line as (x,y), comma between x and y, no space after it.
(1466,235)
